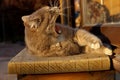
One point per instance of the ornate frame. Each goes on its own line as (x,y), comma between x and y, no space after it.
(100,12)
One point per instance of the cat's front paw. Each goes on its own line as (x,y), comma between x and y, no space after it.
(108,51)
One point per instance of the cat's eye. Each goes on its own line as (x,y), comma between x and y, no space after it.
(38,20)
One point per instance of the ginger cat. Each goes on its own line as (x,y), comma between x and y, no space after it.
(44,37)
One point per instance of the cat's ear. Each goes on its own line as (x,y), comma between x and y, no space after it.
(32,25)
(25,18)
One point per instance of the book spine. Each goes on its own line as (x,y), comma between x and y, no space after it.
(59,66)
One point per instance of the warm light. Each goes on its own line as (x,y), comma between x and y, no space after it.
(102,1)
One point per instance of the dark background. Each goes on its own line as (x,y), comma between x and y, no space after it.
(11,11)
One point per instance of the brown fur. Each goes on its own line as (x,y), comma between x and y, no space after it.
(44,39)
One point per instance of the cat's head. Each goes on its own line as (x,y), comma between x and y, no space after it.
(43,19)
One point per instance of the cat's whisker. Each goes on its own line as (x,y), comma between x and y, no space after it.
(66,15)
(63,15)
(62,10)
(66,8)
(50,2)
(56,3)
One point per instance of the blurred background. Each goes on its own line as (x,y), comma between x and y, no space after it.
(78,13)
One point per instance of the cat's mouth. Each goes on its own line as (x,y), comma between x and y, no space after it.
(58,29)
(55,12)
(51,26)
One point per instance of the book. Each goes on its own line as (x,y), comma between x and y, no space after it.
(25,63)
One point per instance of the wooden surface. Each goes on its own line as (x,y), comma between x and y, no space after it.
(24,63)
(103,75)
(116,63)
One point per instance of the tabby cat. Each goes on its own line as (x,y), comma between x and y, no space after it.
(44,37)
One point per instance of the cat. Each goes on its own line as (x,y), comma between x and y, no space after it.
(45,37)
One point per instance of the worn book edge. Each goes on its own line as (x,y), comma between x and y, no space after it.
(25,63)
